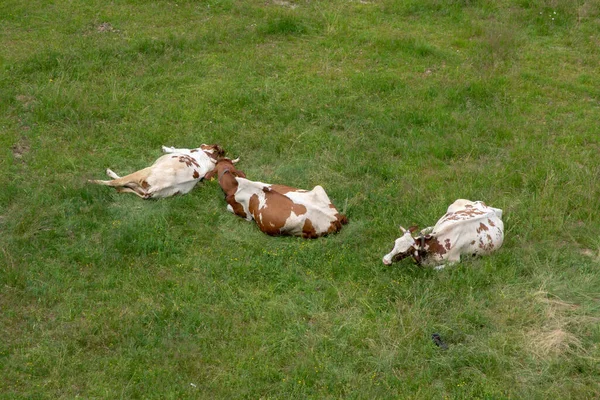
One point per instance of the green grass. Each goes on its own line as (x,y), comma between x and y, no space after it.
(397,108)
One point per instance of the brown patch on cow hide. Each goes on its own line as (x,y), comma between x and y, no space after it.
(467,213)
(283,189)
(482,227)
(486,247)
(273,216)
(271,225)
(491,222)
(490,244)
(447,244)
(196,175)
(145,185)
(229,186)
(433,246)
(194,151)
(189,161)
(308,230)
(238,209)
(298,209)
(416,255)
(342,218)
(335,226)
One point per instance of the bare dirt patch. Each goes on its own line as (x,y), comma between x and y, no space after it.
(595,255)
(285,4)
(106,27)
(20,149)
(26,101)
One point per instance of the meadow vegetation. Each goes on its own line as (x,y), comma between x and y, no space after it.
(396,108)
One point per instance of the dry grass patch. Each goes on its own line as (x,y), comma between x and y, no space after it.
(553,337)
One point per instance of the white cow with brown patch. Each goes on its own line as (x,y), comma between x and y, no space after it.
(176,172)
(278,209)
(467,228)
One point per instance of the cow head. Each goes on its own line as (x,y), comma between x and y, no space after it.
(226,173)
(214,151)
(404,246)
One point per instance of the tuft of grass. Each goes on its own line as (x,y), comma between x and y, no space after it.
(286,24)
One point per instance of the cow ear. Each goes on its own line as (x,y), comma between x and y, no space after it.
(210,175)
(413,228)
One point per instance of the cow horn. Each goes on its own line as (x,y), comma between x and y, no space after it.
(235,161)
(402,229)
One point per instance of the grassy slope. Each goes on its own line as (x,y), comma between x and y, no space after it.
(396,108)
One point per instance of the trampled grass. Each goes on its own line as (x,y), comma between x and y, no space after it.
(396,108)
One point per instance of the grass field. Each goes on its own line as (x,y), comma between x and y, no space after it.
(396,108)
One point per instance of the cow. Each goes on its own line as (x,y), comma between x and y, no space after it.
(176,172)
(467,228)
(277,209)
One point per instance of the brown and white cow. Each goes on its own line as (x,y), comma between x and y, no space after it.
(176,172)
(468,227)
(278,209)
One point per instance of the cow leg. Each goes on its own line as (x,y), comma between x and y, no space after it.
(132,183)
(111,173)
(133,180)
(141,194)
(450,261)
(247,217)
(237,208)
(309,235)
(172,149)
(128,188)
(426,231)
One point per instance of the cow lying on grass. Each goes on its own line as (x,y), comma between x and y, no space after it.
(277,209)
(470,228)
(174,173)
